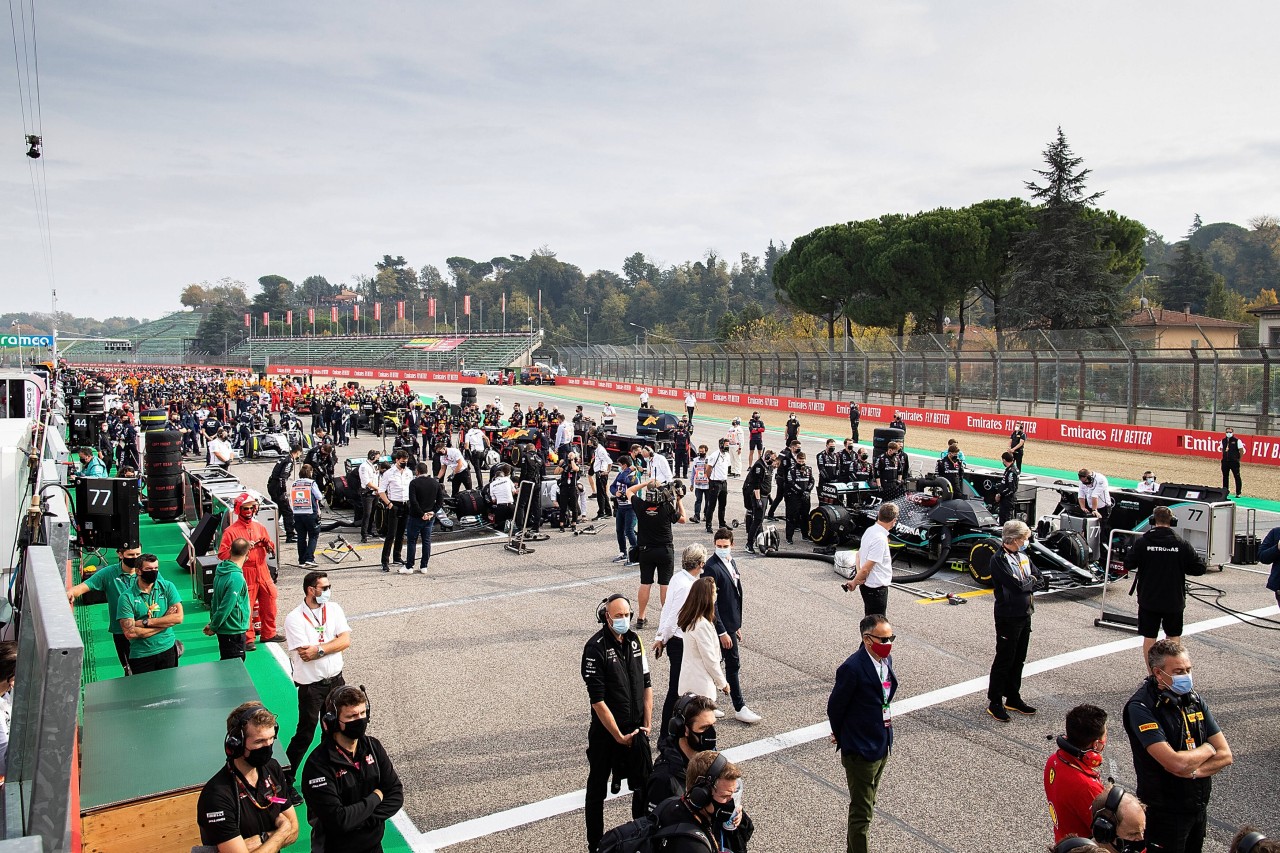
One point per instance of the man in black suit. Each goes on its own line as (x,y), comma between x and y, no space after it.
(721,566)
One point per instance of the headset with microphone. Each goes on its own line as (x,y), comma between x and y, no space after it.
(1106,820)
(677,725)
(702,793)
(602,610)
(1250,841)
(233,743)
(1075,842)
(329,719)
(1090,758)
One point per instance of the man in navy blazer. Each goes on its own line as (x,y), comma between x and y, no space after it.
(722,567)
(861,728)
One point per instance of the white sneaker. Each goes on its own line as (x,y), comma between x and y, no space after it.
(719,714)
(404,570)
(619,558)
(748,716)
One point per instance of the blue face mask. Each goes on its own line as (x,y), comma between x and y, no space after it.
(725,554)
(1180,684)
(323,598)
(621,625)
(1023,546)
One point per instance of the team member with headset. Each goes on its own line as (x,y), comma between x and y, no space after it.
(1250,840)
(245,803)
(616,673)
(1117,822)
(1177,748)
(1094,498)
(1071,776)
(656,511)
(1007,491)
(349,783)
(707,817)
(755,494)
(1161,561)
(861,725)
(691,730)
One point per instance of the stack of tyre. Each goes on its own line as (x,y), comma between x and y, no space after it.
(163,468)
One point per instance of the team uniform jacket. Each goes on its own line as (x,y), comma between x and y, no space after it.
(1152,715)
(892,469)
(759,476)
(799,480)
(755,427)
(1014,576)
(1070,787)
(1163,560)
(1008,487)
(342,808)
(617,674)
(828,466)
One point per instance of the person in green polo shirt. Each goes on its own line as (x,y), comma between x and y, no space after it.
(229,608)
(110,579)
(147,611)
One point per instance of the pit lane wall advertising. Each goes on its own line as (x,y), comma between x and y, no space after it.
(1259,450)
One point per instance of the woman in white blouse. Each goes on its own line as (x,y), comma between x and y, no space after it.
(700,670)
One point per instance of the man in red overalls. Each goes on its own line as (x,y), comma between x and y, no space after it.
(257,575)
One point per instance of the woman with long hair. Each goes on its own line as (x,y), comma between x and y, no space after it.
(700,671)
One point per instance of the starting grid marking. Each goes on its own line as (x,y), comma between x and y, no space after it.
(481,827)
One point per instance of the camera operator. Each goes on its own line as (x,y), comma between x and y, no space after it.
(656,511)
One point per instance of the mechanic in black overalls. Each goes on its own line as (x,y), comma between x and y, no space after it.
(891,470)
(799,487)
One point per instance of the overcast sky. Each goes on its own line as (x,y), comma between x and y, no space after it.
(195,141)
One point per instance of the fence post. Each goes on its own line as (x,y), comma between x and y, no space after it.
(1264,413)
(1080,389)
(1196,418)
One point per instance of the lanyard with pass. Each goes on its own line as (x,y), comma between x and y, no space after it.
(886,686)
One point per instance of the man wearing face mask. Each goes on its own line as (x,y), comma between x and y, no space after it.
(229,607)
(722,568)
(692,729)
(1177,748)
(257,574)
(244,806)
(316,634)
(349,783)
(1015,578)
(707,816)
(1232,450)
(1094,498)
(861,724)
(109,580)
(616,672)
(1071,775)
(1118,821)
(1148,485)
(394,492)
(147,611)
(755,494)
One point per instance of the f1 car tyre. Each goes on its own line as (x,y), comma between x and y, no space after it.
(828,524)
(980,556)
(1069,545)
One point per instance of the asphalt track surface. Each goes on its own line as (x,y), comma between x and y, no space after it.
(474,675)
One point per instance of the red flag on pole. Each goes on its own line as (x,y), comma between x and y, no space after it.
(288,318)
(377,311)
(355,311)
(266,318)
(431,307)
(311,316)
(333,313)
(399,310)
(247,321)
(504,303)
(466,305)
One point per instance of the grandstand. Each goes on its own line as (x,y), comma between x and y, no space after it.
(165,340)
(474,352)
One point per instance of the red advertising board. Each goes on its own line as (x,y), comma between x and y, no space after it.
(1260,450)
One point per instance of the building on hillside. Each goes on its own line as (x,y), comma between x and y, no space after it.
(343,297)
(1162,328)
(1268,325)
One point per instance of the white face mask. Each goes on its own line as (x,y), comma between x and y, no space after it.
(725,554)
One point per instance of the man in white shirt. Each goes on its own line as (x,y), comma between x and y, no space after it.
(718,475)
(451,463)
(644,398)
(369,491)
(394,488)
(600,466)
(497,404)
(476,443)
(875,563)
(502,495)
(316,633)
(670,638)
(1149,485)
(1095,499)
(564,435)
(220,453)
(735,448)
(607,414)
(689,402)
(659,467)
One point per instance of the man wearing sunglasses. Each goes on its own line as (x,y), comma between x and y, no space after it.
(316,634)
(861,725)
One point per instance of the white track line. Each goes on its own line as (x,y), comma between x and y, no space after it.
(488,596)
(565,803)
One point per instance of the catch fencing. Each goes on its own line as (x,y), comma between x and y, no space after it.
(1110,375)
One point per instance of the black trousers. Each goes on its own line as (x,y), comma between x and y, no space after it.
(716,498)
(682,465)
(777,499)
(151,663)
(755,517)
(1013,636)
(122,651)
(1005,508)
(367,497)
(601,752)
(476,458)
(231,645)
(1176,830)
(797,516)
(1229,468)
(286,511)
(875,599)
(602,495)
(393,521)
(310,700)
(461,481)
(674,651)
(853,428)
(732,664)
